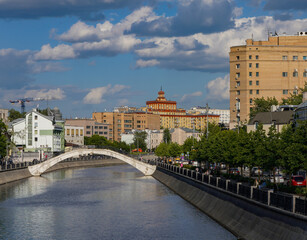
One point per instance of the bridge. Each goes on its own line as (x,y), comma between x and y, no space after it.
(39,169)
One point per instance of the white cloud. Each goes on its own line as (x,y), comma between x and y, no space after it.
(187,97)
(59,52)
(48,94)
(149,63)
(98,95)
(218,89)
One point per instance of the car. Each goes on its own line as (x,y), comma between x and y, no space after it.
(278,178)
(256,171)
(234,171)
(297,180)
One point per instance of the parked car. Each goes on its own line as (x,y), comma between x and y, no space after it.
(234,171)
(298,180)
(256,171)
(278,178)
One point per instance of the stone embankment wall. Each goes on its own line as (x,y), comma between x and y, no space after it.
(246,219)
(14,175)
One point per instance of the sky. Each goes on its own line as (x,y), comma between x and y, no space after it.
(86,56)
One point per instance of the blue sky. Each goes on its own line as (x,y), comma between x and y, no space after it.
(94,55)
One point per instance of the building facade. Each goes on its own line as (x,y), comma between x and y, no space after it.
(74,135)
(121,122)
(172,117)
(223,113)
(4,114)
(90,127)
(273,68)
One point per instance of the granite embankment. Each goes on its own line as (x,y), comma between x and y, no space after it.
(246,219)
(14,175)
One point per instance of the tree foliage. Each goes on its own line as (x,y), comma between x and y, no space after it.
(3,139)
(139,140)
(166,136)
(14,114)
(102,141)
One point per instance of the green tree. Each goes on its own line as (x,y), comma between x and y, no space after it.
(139,140)
(166,135)
(14,114)
(162,150)
(262,105)
(188,144)
(295,99)
(96,140)
(174,149)
(3,139)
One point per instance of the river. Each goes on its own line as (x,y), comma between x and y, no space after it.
(115,202)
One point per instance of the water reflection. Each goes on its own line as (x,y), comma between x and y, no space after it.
(100,203)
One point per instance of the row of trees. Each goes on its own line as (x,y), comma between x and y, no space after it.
(102,141)
(287,149)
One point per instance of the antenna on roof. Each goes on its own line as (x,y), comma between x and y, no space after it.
(161,87)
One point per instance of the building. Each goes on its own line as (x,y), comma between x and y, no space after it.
(74,135)
(223,113)
(278,119)
(273,68)
(37,133)
(301,110)
(179,135)
(172,117)
(121,122)
(4,114)
(91,127)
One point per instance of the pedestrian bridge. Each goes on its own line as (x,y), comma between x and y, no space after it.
(39,169)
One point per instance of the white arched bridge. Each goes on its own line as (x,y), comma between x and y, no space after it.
(39,169)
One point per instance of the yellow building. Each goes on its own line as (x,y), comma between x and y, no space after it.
(172,117)
(273,68)
(120,122)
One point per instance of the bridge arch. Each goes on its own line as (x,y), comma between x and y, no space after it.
(39,169)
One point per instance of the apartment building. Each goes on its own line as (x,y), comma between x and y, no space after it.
(273,68)
(74,135)
(121,122)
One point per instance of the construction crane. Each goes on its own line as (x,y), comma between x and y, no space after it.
(22,102)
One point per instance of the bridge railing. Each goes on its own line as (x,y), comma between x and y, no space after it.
(287,202)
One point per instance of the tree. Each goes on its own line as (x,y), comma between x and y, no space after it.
(139,140)
(295,99)
(96,140)
(3,139)
(166,135)
(262,105)
(162,150)
(13,114)
(174,149)
(188,144)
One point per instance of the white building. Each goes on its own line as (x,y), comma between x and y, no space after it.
(37,132)
(223,113)
(74,134)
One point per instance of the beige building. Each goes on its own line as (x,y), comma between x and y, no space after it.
(173,117)
(4,114)
(121,122)
(74,135)
(91,127)
(179,135)
(273,68)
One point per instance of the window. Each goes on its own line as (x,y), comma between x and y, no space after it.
(257,57)
(35,139)
(237,66)
(250,57)
(237,75)
(96,132)
(257,91)
(238,83)
(238,92)
(284,57)
(250,101)
(305,58)
(250,91)
(96,127)
(295,58)
(250,65)
(284,91)
(88,132)
(77,132)
(305,74)
(295,92)
(238,57)
(72,132)
(295,74)
(250,83)
(68,132)
(257,83)
(256,125)
(81,132)
(138,126)
(36,132)
(35,117)
(257,65)
(88,127)
(285,74)
(105,127)
(36,124)
(250,74)
(100,127)
(100,133)
(257,74)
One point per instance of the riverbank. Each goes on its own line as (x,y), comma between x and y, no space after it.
(246,219)
(15,175)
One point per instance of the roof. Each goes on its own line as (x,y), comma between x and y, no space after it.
(301,106)
(15,121)
(283,117)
